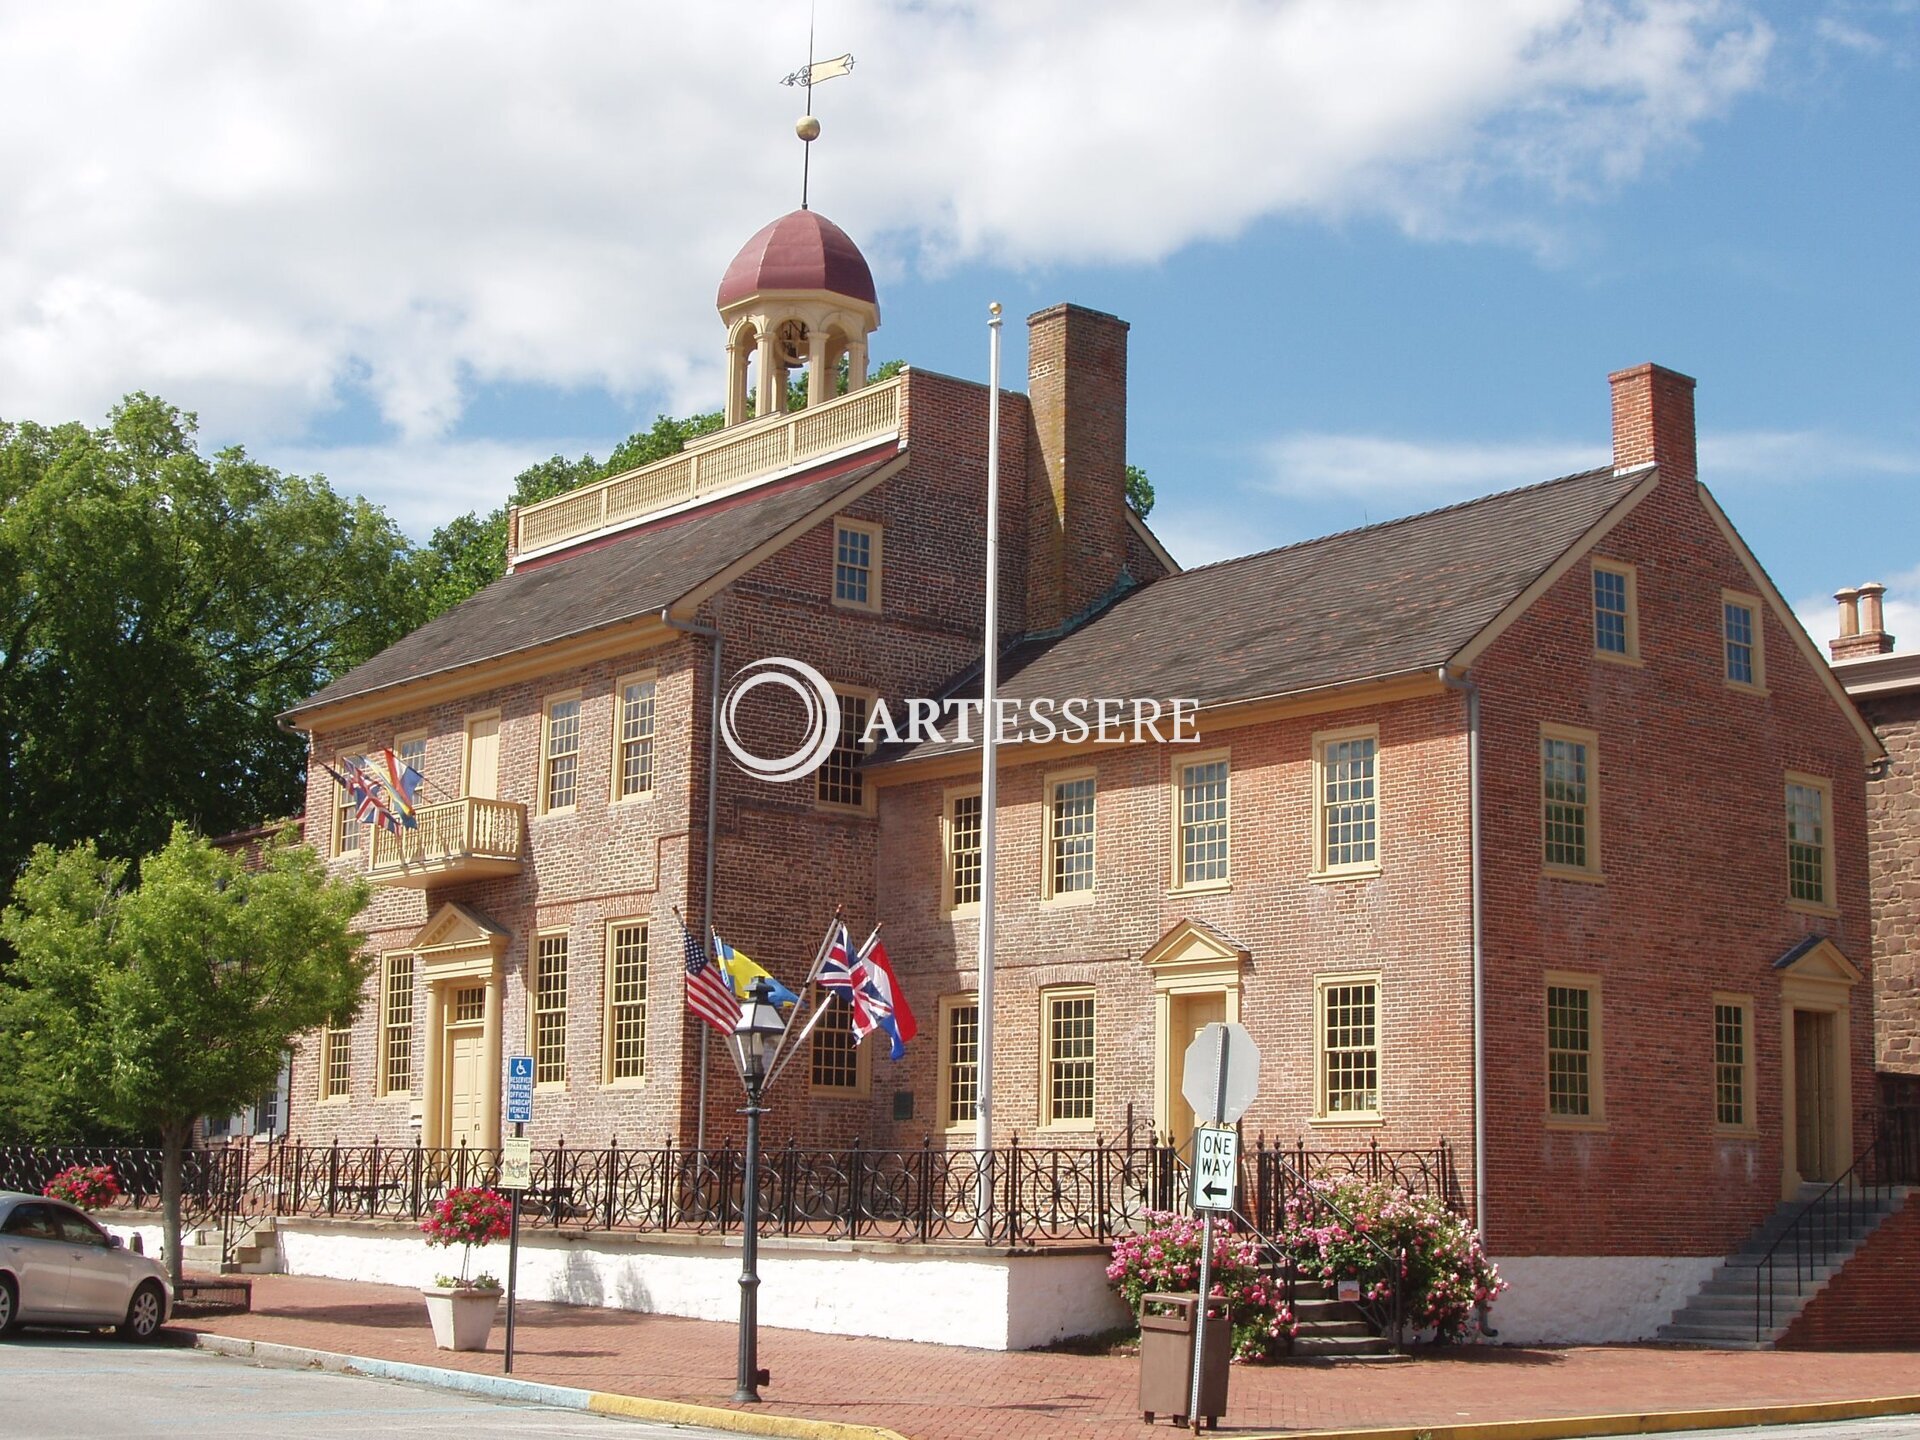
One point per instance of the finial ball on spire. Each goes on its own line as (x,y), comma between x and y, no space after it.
(807,128)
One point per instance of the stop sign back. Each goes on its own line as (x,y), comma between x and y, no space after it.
(1208,1060)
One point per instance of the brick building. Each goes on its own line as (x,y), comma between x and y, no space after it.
(1535,824)
(1886,687)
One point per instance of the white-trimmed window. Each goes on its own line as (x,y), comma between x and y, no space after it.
(1570,801)
(336,1062)
(1733,1062)
(1069,848)
(1616,611)
(1575,1095)
(963,849)
(633,737)
(550,1010)
(1346,802)
(838,783)
(560,756)
(626,1042)
(959,1060)
(1743,641)
(835,1059)
(396,1025)
(1201,821)
(1348,1032)
(412,750)
(1067,1057)
(856,564)
(346,821)
(1809,850)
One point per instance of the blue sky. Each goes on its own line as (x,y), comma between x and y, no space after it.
(1377,256)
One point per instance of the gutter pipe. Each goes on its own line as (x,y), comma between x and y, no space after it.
(1471,690)
(713,811)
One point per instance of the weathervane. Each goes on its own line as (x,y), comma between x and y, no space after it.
(810,74)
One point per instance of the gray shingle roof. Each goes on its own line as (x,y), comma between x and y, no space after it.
(617,580)
(1390,599)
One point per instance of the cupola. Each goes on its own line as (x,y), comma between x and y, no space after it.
(799,294)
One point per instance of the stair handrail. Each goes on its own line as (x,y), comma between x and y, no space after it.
(1811,1218)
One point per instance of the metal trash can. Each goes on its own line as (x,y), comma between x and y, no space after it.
(1166,1358)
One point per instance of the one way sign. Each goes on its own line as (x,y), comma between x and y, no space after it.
(1216,1164)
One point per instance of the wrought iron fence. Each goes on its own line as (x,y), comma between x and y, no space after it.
(1012,1195)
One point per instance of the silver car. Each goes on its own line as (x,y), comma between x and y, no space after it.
(59,1268)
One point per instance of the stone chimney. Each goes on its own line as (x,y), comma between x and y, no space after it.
(1077,486)
(1863,625)
(1653,421)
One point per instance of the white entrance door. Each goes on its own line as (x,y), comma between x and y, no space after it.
(466,1051)
(1187,1016)
(483,757)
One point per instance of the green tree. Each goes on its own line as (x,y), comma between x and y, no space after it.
(158,608)
(1139,491)
(145,1005)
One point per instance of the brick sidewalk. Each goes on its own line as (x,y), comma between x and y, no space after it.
(935,1392)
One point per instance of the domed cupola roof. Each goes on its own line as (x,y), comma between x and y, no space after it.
(801,251)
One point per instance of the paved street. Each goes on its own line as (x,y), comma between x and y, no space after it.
(64,1387)
(1897,1427)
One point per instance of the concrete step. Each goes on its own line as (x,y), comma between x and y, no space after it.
(1337,1329)
(1339,1345)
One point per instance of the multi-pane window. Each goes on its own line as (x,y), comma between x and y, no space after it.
(412,750)
(1070,837)
(1613,610)
(1349,1047)
(1067,1089)
(961,1068)
(1807,842)
(1740,626)
(854,565)
(396,1050)
(633,759)
(963,850)
(1730,1064)
(1203,823)
(469,1005)
(1567,802)
(626,1001)
(336,1063)
(346,823)
(563,754)
(836,1060)
(1348,803)
(839,781)
(550,1011)
(1570,1052)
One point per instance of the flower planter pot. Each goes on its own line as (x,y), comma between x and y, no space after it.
(462,1319)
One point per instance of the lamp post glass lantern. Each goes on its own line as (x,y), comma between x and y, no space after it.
(755,1039)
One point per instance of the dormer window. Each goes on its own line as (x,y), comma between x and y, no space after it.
(1615,614)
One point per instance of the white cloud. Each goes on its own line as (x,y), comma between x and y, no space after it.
(1795,457)
(1313,465)
(1900,610)
(256,209)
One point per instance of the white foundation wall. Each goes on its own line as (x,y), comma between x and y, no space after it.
(990,1301)
(1593,1299)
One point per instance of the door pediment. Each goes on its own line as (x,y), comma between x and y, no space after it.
(1194,950)
(459,941)
(1818,960)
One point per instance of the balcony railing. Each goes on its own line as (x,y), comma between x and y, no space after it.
(464,840)
(729,460)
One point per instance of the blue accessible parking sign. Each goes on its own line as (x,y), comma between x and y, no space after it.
(519,1089)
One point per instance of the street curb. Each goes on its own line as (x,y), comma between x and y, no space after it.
(1571,1427)
(566,1397)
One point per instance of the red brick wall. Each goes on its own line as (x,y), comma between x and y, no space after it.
(1893,822)
(1873,1303)
(1692,777)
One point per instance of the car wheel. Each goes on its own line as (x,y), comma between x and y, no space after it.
(144,1312)
(9,1304)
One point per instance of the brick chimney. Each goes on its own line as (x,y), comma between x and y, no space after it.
(1077,486)
(1653,421)
(1863,625)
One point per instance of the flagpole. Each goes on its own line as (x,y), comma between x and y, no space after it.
(777,1064)
(989,684)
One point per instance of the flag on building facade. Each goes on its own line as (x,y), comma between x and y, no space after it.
(401,783)
(884,998)
(742,970)
(708,994)
(836,973)
(368,806)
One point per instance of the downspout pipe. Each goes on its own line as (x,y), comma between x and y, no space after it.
(713,819)
(1471,690)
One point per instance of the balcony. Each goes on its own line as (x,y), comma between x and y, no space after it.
(737,458)
(468,839)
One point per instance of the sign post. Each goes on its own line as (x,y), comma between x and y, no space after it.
(1222,1073)
(516,1172)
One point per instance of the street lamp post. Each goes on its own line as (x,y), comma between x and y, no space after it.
(755,1038)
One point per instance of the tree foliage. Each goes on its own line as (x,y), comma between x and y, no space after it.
(1139,491)
(138,1006)
(158,608)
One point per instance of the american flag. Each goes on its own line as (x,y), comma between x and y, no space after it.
(708,994)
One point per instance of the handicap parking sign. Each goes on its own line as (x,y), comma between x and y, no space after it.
(519,1089)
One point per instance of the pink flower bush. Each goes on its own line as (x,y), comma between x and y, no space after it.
(1166,1257)
(91,1187)
(469,1217)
